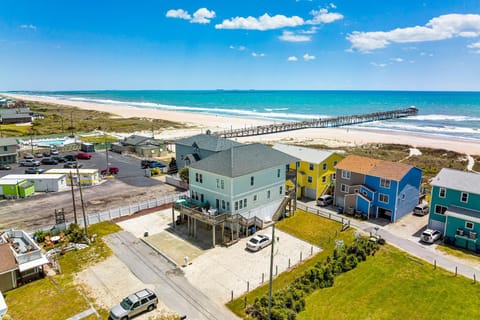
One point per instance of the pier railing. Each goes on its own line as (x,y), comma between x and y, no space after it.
(318,123)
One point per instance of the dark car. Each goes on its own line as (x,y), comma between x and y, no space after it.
(84,155)
(59,159)
(49,161)
(72,164)
(46,153)
(111,170)
(34,170)
(5,167)
(151,164)
(70,157)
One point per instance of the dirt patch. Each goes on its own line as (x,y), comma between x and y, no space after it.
(143,212)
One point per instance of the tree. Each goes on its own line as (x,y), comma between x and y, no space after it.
(184,174)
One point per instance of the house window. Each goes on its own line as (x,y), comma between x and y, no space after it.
(196,177)
(281,189)
(278,173)
(218,183)
(335,163)
(324,179)
(442,193)
(201,198)
(310,166)
(383,198)
(245,202)
(5,148)
(228,206)
(324,167)
(403,196)
(469,225)
(440,209)
(268,194)
(222,183)
(346,174)
(344,188)
(385,183)
(252,180)
(240,204)
(236,205)
(255,198)
(309,179)
(223,204)
(201,178)
(364,193)
(334,176)
(464,197)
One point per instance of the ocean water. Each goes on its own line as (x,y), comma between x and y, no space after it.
(448,114)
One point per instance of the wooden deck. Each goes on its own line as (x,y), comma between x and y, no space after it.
(318,123)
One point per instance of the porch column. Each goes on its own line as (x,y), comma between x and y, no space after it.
(213,235)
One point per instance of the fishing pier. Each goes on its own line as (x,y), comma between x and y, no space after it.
(318,123)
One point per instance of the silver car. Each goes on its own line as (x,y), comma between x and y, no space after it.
(134,304)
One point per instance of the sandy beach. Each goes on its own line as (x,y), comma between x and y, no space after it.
(334,137)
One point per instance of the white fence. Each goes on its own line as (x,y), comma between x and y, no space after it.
(323,213)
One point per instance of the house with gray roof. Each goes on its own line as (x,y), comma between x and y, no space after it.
(455,207)
(8,150)
(192,149)
(144,146)
(245,179)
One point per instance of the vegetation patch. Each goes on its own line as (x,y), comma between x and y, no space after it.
(459,252)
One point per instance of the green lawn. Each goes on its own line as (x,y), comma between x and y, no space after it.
(58,297)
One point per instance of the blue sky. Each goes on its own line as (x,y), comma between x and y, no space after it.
(263,44)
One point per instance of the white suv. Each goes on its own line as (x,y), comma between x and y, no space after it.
(29,163)
(430,235)
(134,304)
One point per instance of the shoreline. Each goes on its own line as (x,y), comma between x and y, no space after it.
(333,137)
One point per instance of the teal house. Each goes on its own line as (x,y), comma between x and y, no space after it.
(455,207)
(248,180)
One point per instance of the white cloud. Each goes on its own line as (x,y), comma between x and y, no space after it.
(203,15)
(323,16)
(292,58)
(29,26)
(254,54)
(379,65)
(179,14)
(475,45)
(265,22)
(308,57)
(332,5)
(312,30)
(396,59)
(239,48)
(292,37)
(439,28)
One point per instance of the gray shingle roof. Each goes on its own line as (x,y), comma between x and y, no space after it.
(305,154)
(8,142)
(134,140)
(208,142)
(243,159)
(457,180)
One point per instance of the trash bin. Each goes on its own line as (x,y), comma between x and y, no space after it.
(340,210)
(145,234)
(252,230)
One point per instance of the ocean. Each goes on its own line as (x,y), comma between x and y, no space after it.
(447,114)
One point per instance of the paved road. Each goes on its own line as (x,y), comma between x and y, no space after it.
(171,286)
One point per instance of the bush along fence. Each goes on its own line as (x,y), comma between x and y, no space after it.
(289,301)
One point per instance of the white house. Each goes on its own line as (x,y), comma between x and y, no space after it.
(42,182)
(88,177)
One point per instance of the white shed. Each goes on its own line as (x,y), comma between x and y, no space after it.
(42,182)
(88,177)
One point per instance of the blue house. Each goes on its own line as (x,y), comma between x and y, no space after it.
(192,149)
(377,188)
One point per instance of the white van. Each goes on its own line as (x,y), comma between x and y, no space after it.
(324,200)
(421,209)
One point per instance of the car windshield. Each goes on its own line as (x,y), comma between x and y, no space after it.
(254,240)
(126,304)
(427,234)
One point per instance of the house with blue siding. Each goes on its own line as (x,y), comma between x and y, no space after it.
(249,180)
(455,207)
(376,188)
(192,149)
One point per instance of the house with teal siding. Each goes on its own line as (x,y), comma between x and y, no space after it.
(246,179)
(455,207)
(376,188)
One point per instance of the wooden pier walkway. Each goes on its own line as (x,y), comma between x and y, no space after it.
(318,123)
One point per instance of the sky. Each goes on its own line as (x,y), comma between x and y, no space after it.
(55,45)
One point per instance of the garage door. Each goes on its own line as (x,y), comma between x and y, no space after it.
(310,193)
(436,225)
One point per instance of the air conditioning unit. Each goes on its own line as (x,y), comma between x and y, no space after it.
(460,232)
(472,235)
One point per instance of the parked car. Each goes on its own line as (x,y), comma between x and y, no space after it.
(29,163)
(325,200)
(5,167)
(38,155)
(54,152)
(84,155)
(151,164)
(70,157)
(134,304)
(111,170)
(430,235)
(49,161)
(28,156)
(59,159)
(46,153)
(258,242)
(34,170)
(72,164)
(421,209)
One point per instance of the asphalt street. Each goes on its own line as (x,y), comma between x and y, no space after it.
(171,286)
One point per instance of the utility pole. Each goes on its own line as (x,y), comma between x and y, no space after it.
(73,199)
(106,151)
(81,200)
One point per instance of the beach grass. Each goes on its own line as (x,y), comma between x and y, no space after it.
(58,297)
(459,252)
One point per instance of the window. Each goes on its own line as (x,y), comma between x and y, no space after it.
(245,202)
(403,196)
(255,198)
(278,173)
(136,305)
(334,176)
(252,180)
(201,198)
(324,167)
(310,166)
(236,205)
(309,179)
(218,183)
(223,204)
(385,183)
(469,225)
(335,163)
(442,193)
(5,148)
(324,179)
(201,178)
(228,206)
(344,188)
(464,197)
(222,184)
(281,189)
(364,193)
(196,176)
(268,194)
(383,198)
(346,174)
(240,204)
(440,209)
